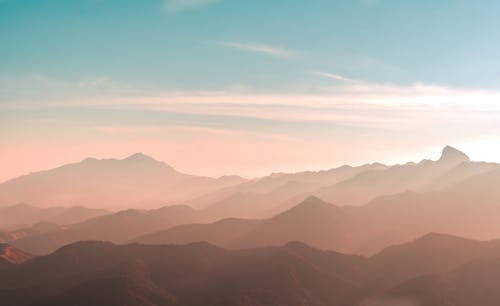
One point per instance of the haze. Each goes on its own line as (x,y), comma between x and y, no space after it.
(249,153)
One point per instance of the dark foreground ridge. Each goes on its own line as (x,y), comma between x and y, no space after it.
(102,273)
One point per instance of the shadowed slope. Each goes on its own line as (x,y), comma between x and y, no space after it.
(10,254)
(313,221)
(197,274)
(118,227)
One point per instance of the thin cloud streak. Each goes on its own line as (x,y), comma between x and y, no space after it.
(335,77)
(257,48)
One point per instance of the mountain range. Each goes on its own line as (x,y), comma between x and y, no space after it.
(117,227)
(453,194)
(435,269)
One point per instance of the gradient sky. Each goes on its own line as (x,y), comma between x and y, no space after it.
(216,87)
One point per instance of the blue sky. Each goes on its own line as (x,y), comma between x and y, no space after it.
(358,75)
(191,43)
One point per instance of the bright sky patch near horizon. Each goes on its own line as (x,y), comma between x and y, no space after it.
(219,87)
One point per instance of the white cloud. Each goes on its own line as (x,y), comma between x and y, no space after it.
(257,48)
(336,77)
(173,6)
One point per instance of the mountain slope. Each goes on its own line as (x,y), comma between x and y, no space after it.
(118,227)
(220,233)
(367,229)
(197,274)
(468,208)
(13,255)
(23,214)
(101,273)
(474,283)
(264,197)
(313,221)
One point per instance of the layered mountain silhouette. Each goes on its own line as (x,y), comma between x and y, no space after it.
(425,176)
(446,271)
(22,215)
(265,197)
(272,194)
(420,234)
(9,235)
(469,196)
(313,221)
(468,208)
(118,227)
(463,272)
(136,181)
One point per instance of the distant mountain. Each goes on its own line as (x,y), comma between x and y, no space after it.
(273,194)
(470,194)
(118,227)
(468,208)
(463,272)
(23,215)
(137,180)
(313,221)
(267,196)
(220,233)
(453,166)
(37,229)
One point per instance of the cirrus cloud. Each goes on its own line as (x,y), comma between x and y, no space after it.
(257,48)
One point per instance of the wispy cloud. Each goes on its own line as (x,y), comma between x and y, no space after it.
(174,6)
(257,48)
(336,77)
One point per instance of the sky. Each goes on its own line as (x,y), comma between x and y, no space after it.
(215,87)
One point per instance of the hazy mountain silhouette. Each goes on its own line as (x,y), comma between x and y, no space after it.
(265,197)
(118,227)
(468,208)
(453,166)
(35,230)
(22,215)
(137,180)
(386,220)
(272,194)
(313,221)
(220,233)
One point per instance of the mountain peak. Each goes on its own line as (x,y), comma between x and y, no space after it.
(451,154)
(142,160)
(139,156)
(313,202)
